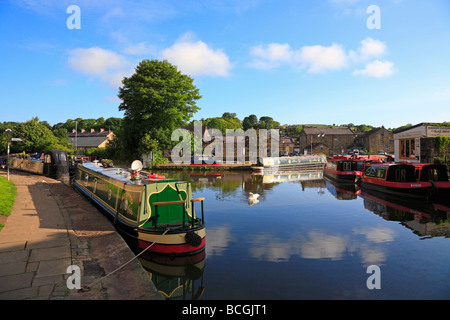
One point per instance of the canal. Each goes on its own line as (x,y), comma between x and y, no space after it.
(308,238)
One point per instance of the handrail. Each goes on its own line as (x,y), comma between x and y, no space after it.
(198,199)
(168,202)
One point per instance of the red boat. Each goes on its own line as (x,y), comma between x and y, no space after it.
(395,178)
(436,174)
(348,168)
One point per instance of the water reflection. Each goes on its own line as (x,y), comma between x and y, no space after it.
(425,218)
(301,222)
(176,278)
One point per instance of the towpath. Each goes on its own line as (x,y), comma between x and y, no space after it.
(52,227)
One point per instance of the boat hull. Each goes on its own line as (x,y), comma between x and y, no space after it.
(343,176)
(409,189)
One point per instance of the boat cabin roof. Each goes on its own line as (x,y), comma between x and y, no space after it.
(121,174)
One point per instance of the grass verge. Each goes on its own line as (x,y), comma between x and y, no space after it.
(7,198)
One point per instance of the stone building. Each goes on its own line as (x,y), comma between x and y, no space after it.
(418,143)
(378,139)
(328,141)
(84,139)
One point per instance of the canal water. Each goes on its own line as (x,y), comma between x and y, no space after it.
(308,238)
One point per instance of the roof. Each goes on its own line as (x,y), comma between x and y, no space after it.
(80,134)
(328,131)
(91,142)
(427,124)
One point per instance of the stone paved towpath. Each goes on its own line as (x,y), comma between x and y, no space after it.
(52,227)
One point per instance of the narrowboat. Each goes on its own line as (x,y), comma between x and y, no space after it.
(158,214)
(436,174)
(394,178)
(53,164)
(275,164)
(348,168)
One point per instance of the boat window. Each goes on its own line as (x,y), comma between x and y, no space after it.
(381,172)
(47,158)
(346,166)
(400,175)
(86,180)
(95,185)
(360,165)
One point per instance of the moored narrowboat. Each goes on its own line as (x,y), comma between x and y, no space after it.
(394,178)
(342,169)
(348,168)
(436,174)
(158,214)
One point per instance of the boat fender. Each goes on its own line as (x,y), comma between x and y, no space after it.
(193,239)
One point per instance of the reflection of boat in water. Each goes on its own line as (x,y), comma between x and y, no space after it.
(423,217)
(273,164)
(342,191)
(289,176)
(176,278)
(155,212)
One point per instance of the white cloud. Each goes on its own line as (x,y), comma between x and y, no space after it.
(271,56)
(197,58)
(319,59)
(109,66)
(377,69)
(141,48)
(369,49)
(314,58)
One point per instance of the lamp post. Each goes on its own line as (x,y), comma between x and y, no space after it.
(8,133)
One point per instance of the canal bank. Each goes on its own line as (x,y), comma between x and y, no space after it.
(51,227)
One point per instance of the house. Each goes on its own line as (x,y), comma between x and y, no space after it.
(418,143)
(287,144)
(378,139)
(328,141)
(84,139)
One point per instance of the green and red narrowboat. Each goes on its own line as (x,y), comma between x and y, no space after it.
(154,212)
(394,178)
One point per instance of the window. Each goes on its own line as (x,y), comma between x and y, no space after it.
(407,149)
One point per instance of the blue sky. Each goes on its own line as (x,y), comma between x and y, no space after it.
(300,62)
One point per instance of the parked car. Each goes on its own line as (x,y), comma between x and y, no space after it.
(284,153)
(382,152)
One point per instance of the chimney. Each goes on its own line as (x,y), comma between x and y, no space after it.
(73,130)
(82,130)
(101,129)
(92,130)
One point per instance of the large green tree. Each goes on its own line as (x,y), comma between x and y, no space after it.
(157,99)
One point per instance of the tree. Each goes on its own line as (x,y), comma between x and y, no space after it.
(250,122)
(157,99)
(38,138)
